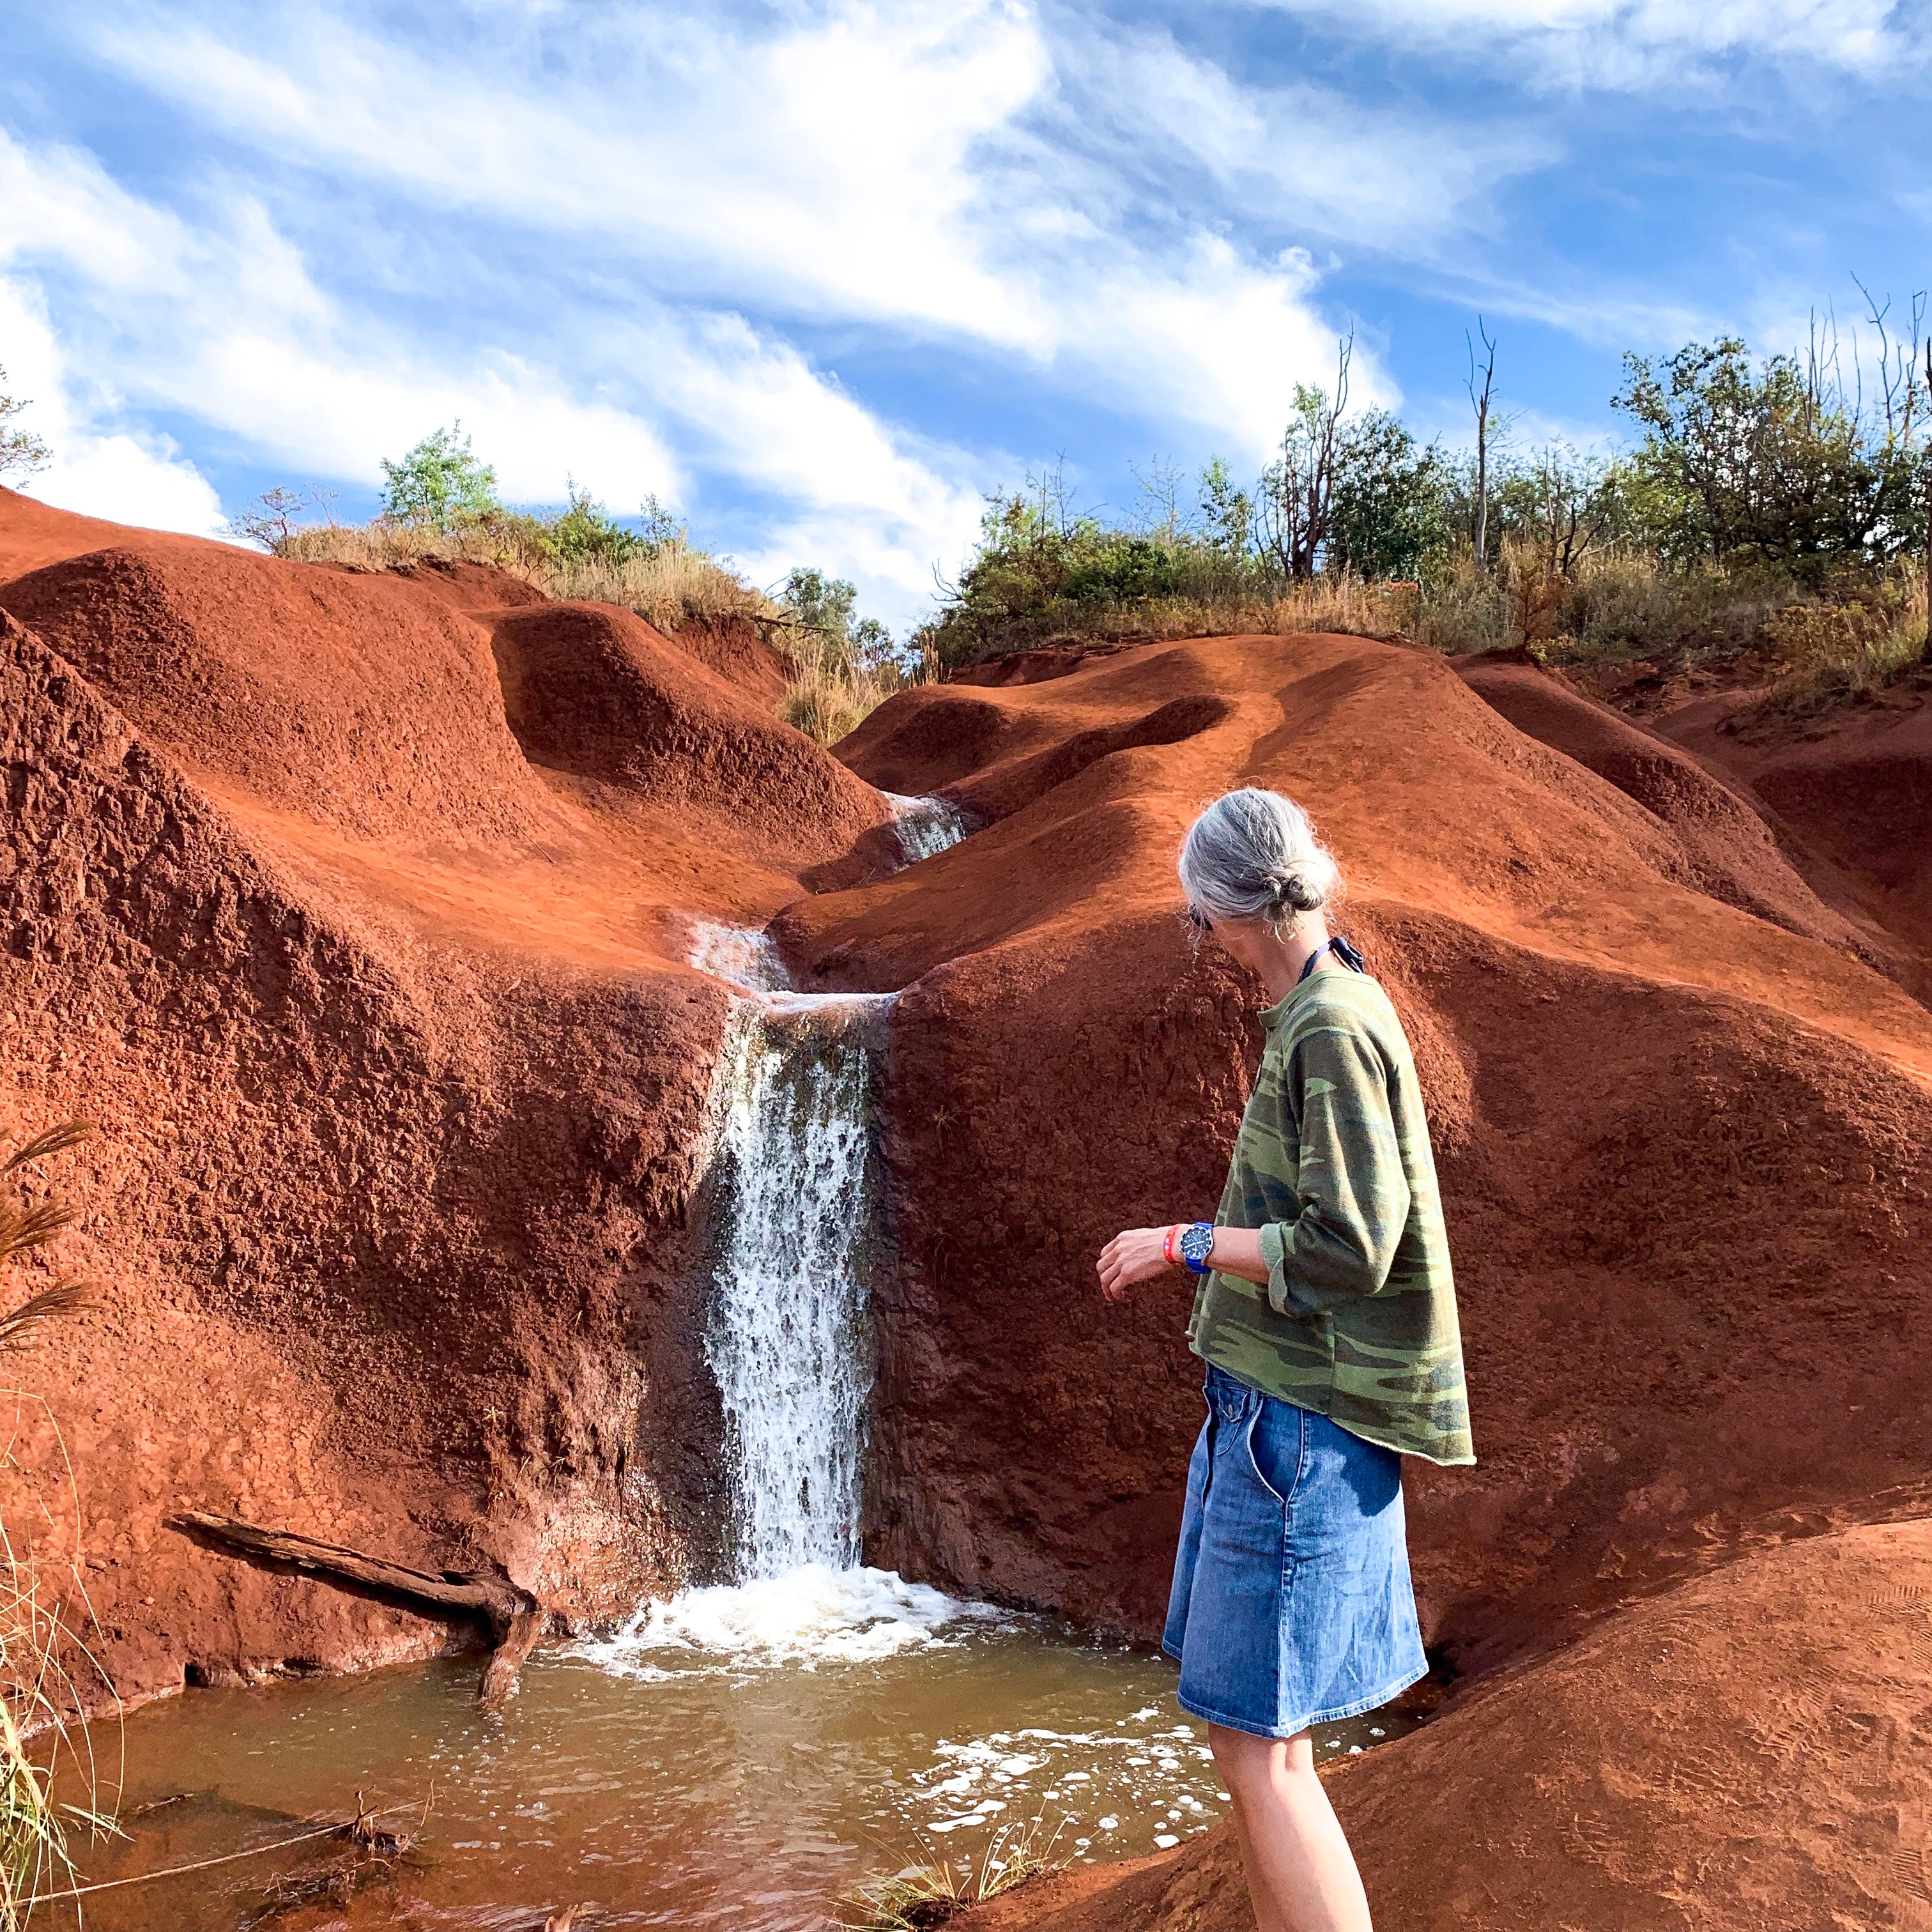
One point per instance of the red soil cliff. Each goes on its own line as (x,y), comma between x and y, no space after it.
(348,905)
(398,1073)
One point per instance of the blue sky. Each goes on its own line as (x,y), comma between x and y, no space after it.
(822,276)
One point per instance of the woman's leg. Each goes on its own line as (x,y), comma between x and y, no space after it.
(1301,1875)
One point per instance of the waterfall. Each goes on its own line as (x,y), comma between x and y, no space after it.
(789,1340)
(926,826)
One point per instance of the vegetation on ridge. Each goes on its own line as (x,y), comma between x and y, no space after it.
(1770,510)
(441,505)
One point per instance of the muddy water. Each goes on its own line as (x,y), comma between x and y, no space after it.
(734,1760)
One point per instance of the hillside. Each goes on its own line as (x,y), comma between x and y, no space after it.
(354,907)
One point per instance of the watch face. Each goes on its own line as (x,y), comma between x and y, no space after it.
(1197,1244)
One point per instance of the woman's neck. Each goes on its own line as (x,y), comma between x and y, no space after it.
(1283,959)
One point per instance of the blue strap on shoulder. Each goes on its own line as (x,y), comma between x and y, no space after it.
(1343,951)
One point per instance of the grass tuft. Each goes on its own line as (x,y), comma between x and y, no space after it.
(935,1893)
(45,1747)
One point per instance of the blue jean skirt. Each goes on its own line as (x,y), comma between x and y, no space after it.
(1292,1605)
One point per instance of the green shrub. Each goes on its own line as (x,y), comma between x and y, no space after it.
(440,483)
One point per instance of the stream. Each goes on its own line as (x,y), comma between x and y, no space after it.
(738,1755)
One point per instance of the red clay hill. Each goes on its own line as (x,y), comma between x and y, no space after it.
(352,907)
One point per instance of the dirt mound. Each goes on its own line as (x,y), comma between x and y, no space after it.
(1729,850)
(363,702)
(1855,786)
(1684,1149)
(400,1078)
(594,692)
(33,534)
(1711,1757)
(477,590)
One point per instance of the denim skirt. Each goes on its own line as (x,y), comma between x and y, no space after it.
(1291,1604)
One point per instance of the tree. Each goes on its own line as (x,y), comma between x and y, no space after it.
(1295,503)
(441,483)
(1743,465)
(586,533)
(21,451)
(1479,401)
(1388,507)
(1227,515)
(273,517)
(1565,502)
(825,607)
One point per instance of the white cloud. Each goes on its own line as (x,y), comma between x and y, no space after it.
(222,321)
(127,475)
(1641,43)
(952,170)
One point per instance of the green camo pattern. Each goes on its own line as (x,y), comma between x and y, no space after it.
(1333,1166)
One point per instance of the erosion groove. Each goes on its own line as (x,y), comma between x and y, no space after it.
(357,910)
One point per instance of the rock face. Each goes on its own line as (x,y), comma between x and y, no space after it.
(400,1080)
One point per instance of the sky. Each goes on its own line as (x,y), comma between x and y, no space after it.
(822,277)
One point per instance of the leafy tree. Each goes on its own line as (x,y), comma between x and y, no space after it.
(586,533)
(21,451)
(1295,502)
(440,482)
(1388,507)
(1749,466)
(826,606)
(1227,514)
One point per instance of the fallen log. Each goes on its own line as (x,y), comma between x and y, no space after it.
(515,1619)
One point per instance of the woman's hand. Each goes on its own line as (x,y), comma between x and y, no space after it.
(1136,1254)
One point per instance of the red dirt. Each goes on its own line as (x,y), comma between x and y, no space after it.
(398,1071)
(1725,1755)
(1681,1145)
(343,901)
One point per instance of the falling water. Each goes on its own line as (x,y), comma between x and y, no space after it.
(926,826)
(789,1340)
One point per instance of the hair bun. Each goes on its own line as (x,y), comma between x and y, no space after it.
(1292,890)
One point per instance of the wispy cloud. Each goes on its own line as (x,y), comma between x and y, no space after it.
(951,171)
(1630,44)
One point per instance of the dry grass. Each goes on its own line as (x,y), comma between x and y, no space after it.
(933,1893)
(673,585)
(1830,653)
(45,1746)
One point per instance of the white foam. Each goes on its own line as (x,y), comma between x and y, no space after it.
(813,1615)
(740,956)
(926,826)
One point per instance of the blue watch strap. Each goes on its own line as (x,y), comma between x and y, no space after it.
(1195,1245)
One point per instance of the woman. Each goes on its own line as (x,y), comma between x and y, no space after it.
(1326,1314)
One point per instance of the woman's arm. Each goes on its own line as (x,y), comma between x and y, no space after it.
(1139,1254)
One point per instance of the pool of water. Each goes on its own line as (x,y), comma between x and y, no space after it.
(735,1758)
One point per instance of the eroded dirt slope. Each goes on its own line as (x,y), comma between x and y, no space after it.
(399,1078)
(1684,1148)
(1683,1121)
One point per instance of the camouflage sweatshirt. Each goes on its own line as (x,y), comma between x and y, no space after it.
(1332,1165)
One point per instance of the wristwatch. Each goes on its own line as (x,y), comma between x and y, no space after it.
(1196,1244)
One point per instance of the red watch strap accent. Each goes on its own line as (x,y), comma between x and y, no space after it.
(1167,1245)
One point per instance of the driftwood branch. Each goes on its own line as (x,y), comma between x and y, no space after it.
(514,1619)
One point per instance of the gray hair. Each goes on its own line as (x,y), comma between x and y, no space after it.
(1253,854)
